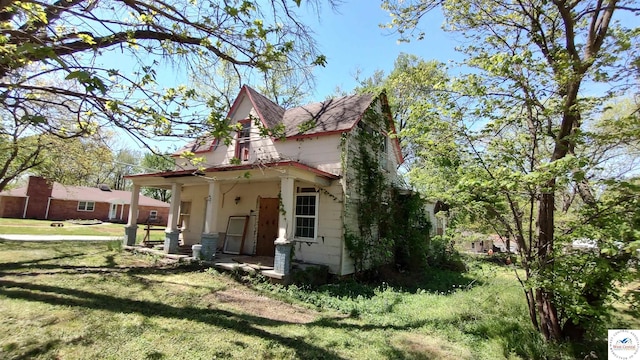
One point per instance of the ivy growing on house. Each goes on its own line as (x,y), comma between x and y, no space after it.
(392,226)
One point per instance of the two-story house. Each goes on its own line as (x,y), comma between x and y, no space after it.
(266,192)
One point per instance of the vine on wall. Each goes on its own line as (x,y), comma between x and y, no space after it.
(392,226)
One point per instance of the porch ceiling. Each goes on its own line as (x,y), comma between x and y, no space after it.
(248,173)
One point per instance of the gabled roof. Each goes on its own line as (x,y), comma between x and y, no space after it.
(85,193)
(329,116)
(321,118)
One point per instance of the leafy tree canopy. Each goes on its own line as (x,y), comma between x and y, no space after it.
(522,138)
(70,67)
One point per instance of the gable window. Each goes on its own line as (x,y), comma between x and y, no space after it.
(243,147)
(306,216)
(86,205)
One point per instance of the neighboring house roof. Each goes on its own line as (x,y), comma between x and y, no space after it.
(84,193)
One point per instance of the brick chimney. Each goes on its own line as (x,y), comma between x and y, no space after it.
(38,192)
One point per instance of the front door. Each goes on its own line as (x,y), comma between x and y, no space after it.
(267,226)
(112,211)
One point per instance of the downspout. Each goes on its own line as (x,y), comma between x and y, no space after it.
(121,211)
(26,204)
(46,214)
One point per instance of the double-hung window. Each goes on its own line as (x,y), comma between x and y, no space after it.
(306,216)
(86,205)
(243,144)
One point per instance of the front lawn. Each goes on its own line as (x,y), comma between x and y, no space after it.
(71,300)
(43,227)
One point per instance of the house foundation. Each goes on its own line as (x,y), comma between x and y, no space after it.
(209,244)
(171,242)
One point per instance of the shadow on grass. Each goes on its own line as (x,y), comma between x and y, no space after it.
(435,281)
(241,323)
(28,264)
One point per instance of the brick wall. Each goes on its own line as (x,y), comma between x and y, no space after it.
(38,191)
(67,210)
(11,207)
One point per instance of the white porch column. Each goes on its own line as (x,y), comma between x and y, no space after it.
(172,231)
(284,242)
(131,229)
(209,239)
(210,223)
(285,221)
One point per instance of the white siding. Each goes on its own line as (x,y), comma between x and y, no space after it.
(327,250)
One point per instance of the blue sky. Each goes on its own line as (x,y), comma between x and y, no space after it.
(352,40)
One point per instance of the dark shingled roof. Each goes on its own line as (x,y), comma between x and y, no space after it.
(329,116)
(333,115)
(270,112)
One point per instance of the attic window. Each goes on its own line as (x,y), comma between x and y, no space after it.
(243,144)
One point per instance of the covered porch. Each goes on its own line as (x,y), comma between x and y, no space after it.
(234,211)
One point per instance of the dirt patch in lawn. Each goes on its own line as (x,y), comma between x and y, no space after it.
(258,305)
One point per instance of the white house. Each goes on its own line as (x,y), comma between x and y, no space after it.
(263,194)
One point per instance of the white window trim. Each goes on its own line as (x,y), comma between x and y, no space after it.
(86,206)
(153,215)
(315,217)
(242,141)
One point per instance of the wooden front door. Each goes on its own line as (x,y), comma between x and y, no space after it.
(267,226)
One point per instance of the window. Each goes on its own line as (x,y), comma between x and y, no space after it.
(243,149)
(153,215)
(86,205)
(306,220)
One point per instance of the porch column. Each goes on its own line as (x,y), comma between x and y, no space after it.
(172,232)
(209,239)
(130,231)
(284,243)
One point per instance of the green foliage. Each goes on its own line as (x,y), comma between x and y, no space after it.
(53,81)
(516,141)
(391,223)
(152,162)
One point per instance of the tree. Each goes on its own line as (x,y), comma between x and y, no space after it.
(154,163)
(517,127)
(411,81)
(53,55)
(77,161)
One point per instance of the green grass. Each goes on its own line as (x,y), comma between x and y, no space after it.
(74,300)
(43,227)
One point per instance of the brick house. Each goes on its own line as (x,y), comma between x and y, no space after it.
(53,201)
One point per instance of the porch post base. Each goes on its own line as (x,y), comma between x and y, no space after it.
(282,259)
(130,233)
(209,244)
(171,242)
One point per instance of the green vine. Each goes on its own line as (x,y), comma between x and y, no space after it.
(391,224)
